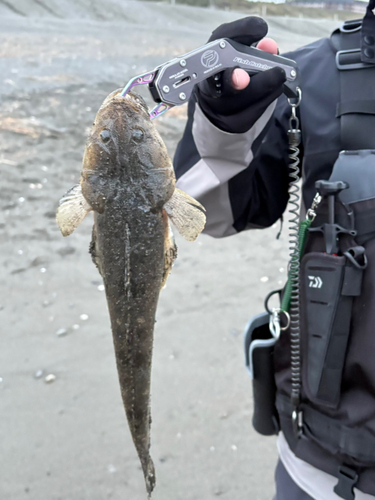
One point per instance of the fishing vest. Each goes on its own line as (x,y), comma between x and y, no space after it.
(337,291)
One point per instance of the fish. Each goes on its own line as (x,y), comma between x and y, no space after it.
(128,182)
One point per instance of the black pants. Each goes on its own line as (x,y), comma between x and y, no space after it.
(286,488)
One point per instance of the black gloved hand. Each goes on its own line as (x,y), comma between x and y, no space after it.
(234,110)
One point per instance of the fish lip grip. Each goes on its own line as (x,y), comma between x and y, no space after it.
(171,84)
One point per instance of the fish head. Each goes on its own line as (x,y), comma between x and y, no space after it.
(125,157)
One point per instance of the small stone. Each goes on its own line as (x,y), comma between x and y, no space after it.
(171,356)
(281,269)
(51,318)
(101,288)
(46,303)
(21,199)
(75,326)
(179,435)
(1,379)
(43,269)
(264,279)
(44,168)
(50,378)
(212,448)
(61,332)
(38,374)
(111,468)
(32,186)
(20,252)
(234,447)
(84,317)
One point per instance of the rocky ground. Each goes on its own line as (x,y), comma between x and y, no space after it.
(63,430)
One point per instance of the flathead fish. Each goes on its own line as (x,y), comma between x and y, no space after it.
(127,180)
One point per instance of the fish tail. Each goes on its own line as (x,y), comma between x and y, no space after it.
(149,474)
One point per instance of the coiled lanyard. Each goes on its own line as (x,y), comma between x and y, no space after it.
(290,304)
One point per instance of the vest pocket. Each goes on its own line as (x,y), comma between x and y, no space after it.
(328,285)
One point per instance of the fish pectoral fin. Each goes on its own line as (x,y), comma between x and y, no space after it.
(170,249)
(186,213)
(72,209)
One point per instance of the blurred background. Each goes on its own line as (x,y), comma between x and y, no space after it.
(63,430)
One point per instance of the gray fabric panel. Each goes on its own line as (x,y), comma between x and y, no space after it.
(202,184)
(223,156)
(226,154)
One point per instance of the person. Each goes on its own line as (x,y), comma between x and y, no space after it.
(233,158)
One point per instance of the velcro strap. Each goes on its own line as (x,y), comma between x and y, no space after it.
(366,107)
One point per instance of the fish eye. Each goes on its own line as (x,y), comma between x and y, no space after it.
(138,134)
(105,135)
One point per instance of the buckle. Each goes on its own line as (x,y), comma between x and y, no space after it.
(351,59)
(348,478)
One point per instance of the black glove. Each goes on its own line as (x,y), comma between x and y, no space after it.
(234,110)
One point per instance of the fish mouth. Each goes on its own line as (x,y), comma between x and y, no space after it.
(131,99)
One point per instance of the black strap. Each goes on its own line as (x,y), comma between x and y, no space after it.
(356,109)
(358,106)
(332,435)
(348,478)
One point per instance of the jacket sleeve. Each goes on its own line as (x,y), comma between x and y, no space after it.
(241,179)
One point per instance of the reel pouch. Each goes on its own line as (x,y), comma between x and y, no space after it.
(259,349)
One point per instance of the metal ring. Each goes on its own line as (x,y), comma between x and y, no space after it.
(278,311)
(299,98)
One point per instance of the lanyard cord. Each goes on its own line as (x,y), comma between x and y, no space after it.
(294,137)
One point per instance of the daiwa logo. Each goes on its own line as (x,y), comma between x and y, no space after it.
(209,58)
(315,282)
(251,63)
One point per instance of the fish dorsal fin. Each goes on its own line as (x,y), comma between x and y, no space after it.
(72,209)
(186,213)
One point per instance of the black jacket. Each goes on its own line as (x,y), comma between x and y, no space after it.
(243,182)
